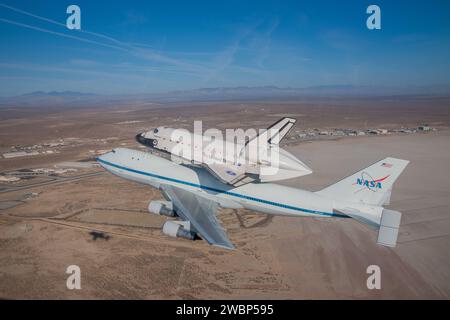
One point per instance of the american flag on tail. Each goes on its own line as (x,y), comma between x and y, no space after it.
(386,165)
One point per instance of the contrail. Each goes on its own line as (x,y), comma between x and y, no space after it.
(62,34)
(62,24)
(125,47)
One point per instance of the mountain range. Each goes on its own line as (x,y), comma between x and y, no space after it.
(266,93)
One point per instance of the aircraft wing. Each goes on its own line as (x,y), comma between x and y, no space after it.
(200,212)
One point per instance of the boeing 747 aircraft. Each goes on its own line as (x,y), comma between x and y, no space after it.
(193,196)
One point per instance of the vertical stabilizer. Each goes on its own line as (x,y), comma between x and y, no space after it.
(275,133)
(372,185)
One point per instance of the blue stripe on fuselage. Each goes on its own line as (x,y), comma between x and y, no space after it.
(277,204)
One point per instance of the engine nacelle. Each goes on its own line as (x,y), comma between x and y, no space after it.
(163,208)
(175,229)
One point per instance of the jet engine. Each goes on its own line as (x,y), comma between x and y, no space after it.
(176,229)
(163,208)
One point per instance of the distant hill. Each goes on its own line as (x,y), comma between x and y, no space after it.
(57,94)
(52,98)
(267,93)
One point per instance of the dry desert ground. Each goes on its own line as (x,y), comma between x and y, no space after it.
(276,257)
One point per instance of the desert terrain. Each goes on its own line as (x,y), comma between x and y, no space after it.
(49,222)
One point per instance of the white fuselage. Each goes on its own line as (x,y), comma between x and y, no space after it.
(268,198)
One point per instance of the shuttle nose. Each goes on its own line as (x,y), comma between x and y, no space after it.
(151,143)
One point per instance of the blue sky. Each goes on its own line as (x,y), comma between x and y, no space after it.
(158,46)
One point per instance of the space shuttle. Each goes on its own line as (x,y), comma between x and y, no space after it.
(258,158)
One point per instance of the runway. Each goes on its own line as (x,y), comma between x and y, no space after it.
(53,180)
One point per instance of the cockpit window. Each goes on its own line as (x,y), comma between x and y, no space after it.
(156,130)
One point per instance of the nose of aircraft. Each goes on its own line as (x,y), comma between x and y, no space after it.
(105,158)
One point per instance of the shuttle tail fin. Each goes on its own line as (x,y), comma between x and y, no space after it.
(275,133)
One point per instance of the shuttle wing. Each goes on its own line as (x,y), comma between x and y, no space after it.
(230,174)
(200,212)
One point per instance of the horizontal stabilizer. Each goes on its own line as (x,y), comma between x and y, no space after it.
(387,222)
(389,226)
